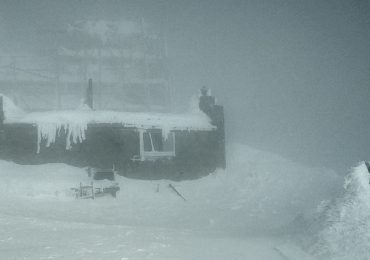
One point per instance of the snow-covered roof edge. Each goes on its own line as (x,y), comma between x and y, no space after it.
(75,122)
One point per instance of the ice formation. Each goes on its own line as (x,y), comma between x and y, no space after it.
(74,123)
(75,133)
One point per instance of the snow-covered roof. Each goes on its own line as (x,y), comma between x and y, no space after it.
(10,109)
(75,122)
(191,121)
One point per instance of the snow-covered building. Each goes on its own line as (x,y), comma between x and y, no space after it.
(137,144)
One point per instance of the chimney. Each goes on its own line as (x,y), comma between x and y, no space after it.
(207,104)
(89,95)
(206,101)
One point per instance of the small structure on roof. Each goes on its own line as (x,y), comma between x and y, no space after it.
(139,145)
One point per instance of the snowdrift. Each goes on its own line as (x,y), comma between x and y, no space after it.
(44,181)
(341,229)
(258,191)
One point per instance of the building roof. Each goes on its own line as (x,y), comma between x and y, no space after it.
(190,121)
(75,122)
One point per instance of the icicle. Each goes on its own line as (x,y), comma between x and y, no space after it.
(166,129)
(75,133)
(38,138)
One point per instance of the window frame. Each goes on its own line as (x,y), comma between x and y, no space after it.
(154,155)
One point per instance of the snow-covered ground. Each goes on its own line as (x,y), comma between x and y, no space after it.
(340,229)
(245,212)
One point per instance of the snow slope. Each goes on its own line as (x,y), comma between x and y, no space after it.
(234,214)
(341,229)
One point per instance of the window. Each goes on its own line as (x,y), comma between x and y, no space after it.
(153,142)
(153,145)
(147,142)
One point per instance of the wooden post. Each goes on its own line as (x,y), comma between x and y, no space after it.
(92,191)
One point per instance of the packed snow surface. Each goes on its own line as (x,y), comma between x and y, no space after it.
(239,213)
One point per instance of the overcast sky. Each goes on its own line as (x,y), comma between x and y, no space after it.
(294,76)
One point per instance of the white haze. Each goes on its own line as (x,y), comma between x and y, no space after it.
(293,77)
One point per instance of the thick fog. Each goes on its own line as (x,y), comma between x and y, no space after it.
(293,76)
(112,146)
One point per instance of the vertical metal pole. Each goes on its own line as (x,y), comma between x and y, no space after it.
(146,84)
(89,95)
(168,88)
(2,117)
(99,89)
(85,68)
(123,77)
(14,88)
(58,90)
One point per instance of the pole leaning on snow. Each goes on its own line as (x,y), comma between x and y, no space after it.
(176,191)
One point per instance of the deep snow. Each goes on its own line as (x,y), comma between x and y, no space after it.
(241,213)
(340,229)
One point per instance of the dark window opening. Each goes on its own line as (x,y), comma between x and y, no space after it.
(155,142)
(147,142)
